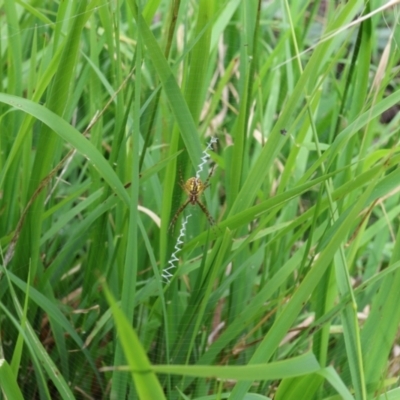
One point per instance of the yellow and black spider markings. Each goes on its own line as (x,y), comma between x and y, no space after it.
(194,187)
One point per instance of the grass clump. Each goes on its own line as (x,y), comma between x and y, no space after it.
(293,294)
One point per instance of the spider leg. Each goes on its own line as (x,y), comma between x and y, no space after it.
(205,211)
(206,183)
(180,209)
(181,181)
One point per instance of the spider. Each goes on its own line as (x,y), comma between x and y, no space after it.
(193,187)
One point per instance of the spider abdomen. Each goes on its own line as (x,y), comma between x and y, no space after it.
(194,187)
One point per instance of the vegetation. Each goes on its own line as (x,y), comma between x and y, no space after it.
(292,293)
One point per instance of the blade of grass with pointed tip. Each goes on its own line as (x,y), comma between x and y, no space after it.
(296,366)
(146,382)
(8,382)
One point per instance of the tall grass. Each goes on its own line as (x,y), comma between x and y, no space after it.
(293,294)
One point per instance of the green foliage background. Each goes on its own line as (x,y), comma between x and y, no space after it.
(294,293)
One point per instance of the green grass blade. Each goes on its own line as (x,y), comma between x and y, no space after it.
(297,366)
(71,136)
(146,382)
(178,105)
(8,382)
